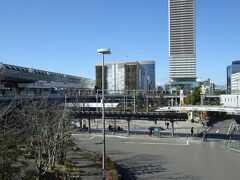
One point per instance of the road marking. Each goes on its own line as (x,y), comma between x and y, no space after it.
(114,136)
(84,139)
(234,149)
(81,137)
(217,131)
(208,128)
(91,138)
(156,143)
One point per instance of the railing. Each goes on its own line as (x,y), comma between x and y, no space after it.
(234,139)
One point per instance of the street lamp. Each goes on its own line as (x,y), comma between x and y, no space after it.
(103,51)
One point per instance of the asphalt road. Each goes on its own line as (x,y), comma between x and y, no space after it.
(221,127)
(166,158)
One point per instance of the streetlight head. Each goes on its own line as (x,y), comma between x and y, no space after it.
(104,51)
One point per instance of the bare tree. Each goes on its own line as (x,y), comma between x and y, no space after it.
(10,131)
(48,134)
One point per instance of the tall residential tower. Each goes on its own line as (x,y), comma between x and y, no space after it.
(182,61)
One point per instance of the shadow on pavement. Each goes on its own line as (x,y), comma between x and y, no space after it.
(141,165)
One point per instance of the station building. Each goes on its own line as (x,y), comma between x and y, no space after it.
(16,80)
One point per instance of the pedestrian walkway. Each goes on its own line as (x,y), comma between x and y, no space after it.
(89,170)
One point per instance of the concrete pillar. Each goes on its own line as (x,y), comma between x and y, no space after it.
(190,115)
(171,101)
(80,122)
(172,129)
(89,125)
(115,126)
(17,90)
(96,122)
(128,130)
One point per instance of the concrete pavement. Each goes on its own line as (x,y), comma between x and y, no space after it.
(168,158)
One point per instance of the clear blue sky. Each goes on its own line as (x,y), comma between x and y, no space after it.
(63,35)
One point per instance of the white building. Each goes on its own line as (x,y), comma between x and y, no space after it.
(230,100)
(235,83)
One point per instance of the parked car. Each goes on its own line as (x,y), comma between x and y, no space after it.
(156,129)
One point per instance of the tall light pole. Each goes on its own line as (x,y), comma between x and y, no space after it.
(103,51)
(97,108)
(134,108)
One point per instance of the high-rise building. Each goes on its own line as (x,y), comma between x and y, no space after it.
(150,70)
(182,61)
(122,76)
(231,69)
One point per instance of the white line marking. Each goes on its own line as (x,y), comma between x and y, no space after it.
(233,149)
(217,131)
(91,138)
(114,136)
(187,142)
(83,139)
(149,143)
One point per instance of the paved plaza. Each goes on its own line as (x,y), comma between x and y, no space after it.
(144,157)
(143,125)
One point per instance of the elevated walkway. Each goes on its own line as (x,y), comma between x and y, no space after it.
(234,110)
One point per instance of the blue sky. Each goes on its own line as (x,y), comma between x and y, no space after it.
(63,35)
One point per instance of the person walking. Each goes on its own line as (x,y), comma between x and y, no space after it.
(192,132)
(167,125)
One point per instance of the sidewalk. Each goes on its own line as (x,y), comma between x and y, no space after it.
(89,170)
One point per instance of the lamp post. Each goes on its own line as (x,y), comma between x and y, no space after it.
(103,51)
(126,87)
(134,107)
(97,108)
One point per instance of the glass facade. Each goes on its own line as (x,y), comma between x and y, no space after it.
(123,76)
(150,70)
(115,76)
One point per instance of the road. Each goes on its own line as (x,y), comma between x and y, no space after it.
(166,158)
(221,127)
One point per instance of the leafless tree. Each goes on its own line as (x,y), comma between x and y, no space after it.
(48,134)
(10,132)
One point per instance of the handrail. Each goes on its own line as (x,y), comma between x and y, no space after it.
(230,128)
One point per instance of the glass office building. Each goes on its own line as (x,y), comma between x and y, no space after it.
(122,76)
(150,70)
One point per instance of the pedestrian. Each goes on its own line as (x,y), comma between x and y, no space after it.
(192,132)
(167,125)
(150,131)
(109,127)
